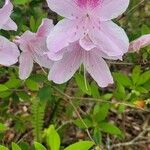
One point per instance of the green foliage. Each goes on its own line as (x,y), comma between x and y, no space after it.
(38,111)
(15,147)
(52,138)
(39,146)
(83,145)
(2,127)
(23,103)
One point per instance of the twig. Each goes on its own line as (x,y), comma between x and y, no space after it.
(99,100)
(134,141)
(76,111)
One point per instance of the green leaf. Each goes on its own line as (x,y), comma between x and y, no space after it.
(100,112)
(32,85)
(144,78)
(32,24)
(120,92)
(39,146)
(13,83)
(97,136)
(15,147)
(52,138)
(21,2)
(110,128)
(3,148)
(85,87)
(145,29)
(82,145)
(45,93)
(136,74)
(80,124)
(94,90)
(23,95)
(2,127)
(122,79)
(5,94)
(3,88)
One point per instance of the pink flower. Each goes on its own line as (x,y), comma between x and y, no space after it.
(9,52)
(33,47)
(6,22)
(73,57)
(139,43)
(89,22)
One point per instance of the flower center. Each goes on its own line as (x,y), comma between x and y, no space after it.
(88,3)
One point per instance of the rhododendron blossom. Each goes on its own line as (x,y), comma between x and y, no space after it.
(9,52)
(6,22)
(139,43)
(73,57)
(33,47)
(89,22)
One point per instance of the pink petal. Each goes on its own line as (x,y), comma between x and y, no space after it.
(66,8)
(55,56)
(9,52)
(10,25)
(43,61)
(97,68)
(139,43)
(110,38)
(110,9)
(86,43)
(64,69)
(26,65)
(64,32)
(45,27)
(5,12)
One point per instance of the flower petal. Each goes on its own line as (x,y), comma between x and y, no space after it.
(86,43)
(9,52)
(45,27)
(97,68)
(110,38)
(139,43)
(115,7)
(43,61)
(6,23)
(10,25)
(26,65)
(63,33)
(64,69)
(66,8)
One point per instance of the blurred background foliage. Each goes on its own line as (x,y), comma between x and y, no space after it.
(116,117)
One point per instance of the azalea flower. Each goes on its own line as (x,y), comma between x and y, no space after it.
(89,22)
(139,43)
(33,47)
(73,57)
(9,52)
(6,22)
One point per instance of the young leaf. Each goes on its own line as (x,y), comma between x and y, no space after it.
(3,147)
(94,90)
(52,138)
(110,128)
(123,79)
(136,74)
(39,146)
(101,112)
(144,78)
(85,87)
(3,88)
(15,147)
(82,145)
(32,85)
(2,127)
